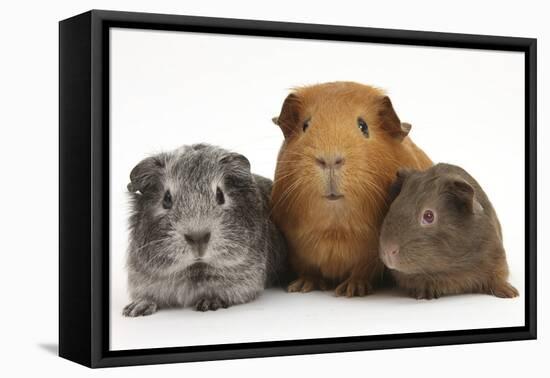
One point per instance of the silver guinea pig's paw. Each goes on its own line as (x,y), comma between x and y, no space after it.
(210,304)
(140,307)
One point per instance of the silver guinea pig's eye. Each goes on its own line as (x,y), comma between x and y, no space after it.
(220,198)
(167,200)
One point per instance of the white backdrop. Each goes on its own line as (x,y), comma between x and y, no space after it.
(174,88)
(29,155)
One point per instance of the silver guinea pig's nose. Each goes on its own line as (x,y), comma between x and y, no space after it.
(198,240)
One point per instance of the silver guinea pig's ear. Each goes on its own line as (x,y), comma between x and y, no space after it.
(142,176)
(235,162)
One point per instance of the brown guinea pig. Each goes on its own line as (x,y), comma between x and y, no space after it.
(343,145)
(442,236)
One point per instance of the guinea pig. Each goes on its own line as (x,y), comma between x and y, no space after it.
(442,236)
(343,143)
(200,232)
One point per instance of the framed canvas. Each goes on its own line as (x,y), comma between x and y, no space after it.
(161,119)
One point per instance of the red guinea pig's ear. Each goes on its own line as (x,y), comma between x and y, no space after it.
(390,121)
(290,115)
(461,193)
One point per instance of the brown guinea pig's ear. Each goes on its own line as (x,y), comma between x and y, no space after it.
(391,122)
(397,184)
(290,115)
(461,193)
(142,176)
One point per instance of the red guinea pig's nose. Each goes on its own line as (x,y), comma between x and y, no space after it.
(330,162)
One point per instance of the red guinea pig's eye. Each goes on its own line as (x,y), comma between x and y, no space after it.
(428,217)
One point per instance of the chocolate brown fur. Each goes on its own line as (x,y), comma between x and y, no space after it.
(460,252)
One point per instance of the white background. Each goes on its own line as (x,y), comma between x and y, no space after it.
(29,154)
(173,88)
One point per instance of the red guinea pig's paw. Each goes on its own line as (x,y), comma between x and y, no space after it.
(301,285)
(504,290)
(353,288)
(424,293)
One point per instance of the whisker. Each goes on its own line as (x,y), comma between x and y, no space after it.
(151,243)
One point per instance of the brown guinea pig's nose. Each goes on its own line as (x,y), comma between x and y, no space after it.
(392,250)
(328,162)
(391,254)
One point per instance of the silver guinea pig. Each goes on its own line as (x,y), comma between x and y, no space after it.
(200,232)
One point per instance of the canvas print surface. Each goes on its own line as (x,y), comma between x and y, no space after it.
(268,189)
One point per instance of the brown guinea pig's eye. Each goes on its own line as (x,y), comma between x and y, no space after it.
(167,200)
(428,217)
(363,126)
(305,125)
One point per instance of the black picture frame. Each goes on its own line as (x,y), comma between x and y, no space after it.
(84,194)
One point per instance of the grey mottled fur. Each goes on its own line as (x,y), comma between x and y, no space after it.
(244,254)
